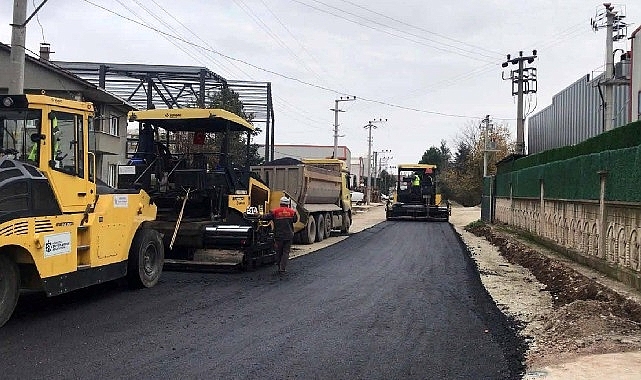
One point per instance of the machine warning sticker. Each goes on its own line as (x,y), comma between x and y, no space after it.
(121,201)
(126,169)
(57,244)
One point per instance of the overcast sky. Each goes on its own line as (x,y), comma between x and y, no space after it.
(441,59)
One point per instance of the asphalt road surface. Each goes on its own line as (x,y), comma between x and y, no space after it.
(400,300)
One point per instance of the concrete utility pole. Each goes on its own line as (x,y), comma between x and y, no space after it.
(370,125)
(385,156)
(609,69)
(486,128)
(336,111)
(18,41)
(18,38)
(523,82)
(616,30)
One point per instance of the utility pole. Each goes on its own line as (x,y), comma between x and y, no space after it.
(18,41)
(336,111)
(383,165)
(370,125)
(609,68)
(523,82)
(616,30)
(18,38)
(375,169)
(487,127)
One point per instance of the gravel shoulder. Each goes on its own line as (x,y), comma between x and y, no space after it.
(577,322)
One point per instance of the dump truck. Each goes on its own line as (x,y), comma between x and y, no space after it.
(319,192)
(417,196)
(60,228)
(209,205)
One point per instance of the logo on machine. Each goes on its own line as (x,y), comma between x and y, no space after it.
(172,115)
(57,244)
(121,201)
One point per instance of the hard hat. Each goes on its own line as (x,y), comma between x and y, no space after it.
(284,201)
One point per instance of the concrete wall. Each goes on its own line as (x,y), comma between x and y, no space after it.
(575,228)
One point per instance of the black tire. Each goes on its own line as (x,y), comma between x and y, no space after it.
(9,287)
(320,227)
(347,222)
(297,237)
(328,225)
(308,235)
(146,258)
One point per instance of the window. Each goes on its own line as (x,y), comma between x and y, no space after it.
(67,149)
(17,128)
(113,173)
(113,126)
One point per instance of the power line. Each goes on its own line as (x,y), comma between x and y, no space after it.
(476,55)
(284,76)
(293,36)
(282,100)
(201,40)
(422,29)
(247,9)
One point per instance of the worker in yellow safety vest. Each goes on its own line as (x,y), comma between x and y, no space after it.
(416,184)
(33,153)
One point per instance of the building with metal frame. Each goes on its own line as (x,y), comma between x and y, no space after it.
(167,86)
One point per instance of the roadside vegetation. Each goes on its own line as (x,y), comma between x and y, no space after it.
(461,168)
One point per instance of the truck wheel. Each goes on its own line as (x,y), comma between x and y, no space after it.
(308,235)
(328,225)
(146,257)
(9,288)
(347,221)
(320,227)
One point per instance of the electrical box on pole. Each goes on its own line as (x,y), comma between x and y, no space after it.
(523,82)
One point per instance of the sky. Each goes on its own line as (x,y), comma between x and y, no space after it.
(425,69)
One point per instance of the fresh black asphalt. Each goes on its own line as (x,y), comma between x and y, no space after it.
(400,300)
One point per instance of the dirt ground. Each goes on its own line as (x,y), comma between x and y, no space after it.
(578,323)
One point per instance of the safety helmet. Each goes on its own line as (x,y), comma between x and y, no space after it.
(284,201)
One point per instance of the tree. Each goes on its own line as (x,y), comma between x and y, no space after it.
(439,156)
(229,100)
(464,178)
(385,181)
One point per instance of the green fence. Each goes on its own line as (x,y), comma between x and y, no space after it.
(574,172)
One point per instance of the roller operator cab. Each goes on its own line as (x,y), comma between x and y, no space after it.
(59,230)
(417,195)
(193,163)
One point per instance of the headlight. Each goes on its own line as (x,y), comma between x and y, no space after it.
(7,102)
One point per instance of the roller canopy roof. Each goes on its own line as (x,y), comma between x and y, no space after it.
(192,120)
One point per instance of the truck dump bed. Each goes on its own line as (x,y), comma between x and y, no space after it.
(308,185)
